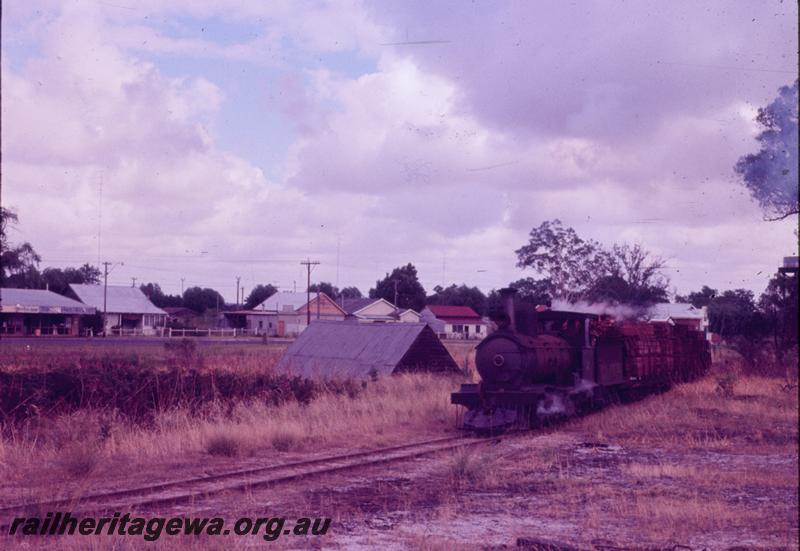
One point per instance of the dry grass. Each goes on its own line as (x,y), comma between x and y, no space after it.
(694,466)
(78,460)
(468,467)
(287,439)
(463,352)
(387,410)
(697,415)
(663,517)
(223,443)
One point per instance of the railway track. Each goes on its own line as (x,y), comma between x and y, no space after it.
(191,489)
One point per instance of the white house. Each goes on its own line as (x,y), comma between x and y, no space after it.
(454,322)
(128,310)
(377,310)
(408,316)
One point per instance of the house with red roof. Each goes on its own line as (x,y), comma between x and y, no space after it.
(454,322)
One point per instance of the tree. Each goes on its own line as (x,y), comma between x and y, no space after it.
(779,305)
(700,298)
(634,277)
(641,271)
(771,174)
(27,277)
(582,269)
(410,293)
(15,260)
(569,263)
(202,299)
(532,291)
(153,292)
(58,280)
(615,289)
(259,294)
(325,287)
(350,292)
(89,274)
(734,313)
(459,295)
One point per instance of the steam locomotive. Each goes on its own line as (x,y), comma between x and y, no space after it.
(541,365)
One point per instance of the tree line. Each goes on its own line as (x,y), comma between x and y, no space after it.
(570,268)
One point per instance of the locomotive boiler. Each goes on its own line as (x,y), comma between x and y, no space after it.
(539,365)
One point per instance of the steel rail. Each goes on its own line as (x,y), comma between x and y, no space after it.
(241,479)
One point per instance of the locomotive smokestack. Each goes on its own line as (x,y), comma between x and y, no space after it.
(507,296)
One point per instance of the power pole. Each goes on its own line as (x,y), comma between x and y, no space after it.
(308,263)
(105,294)
(133,284)
(237,291)
(182,280)
(395,294)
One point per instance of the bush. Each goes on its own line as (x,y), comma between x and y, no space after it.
(79,459)
(284,440)
(226,444)
(138,391)
(466,467)
(726,384)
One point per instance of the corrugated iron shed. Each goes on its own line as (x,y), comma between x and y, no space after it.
(335,349)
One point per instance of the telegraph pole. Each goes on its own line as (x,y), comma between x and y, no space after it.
(395,294)
(133,284)
(308,263)
(182,280)
(105,294)
(237,291)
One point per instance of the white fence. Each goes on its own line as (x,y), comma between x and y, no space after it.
(170,332)
(241,332)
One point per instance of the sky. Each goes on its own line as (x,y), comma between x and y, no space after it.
(193,142)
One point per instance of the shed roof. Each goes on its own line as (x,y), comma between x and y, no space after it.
(335,349)
(121,299)
(40,301)
(678,310)
(353,305)
(295,299)
(462,314)
(276,301)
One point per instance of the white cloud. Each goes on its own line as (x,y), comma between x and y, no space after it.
(445,155)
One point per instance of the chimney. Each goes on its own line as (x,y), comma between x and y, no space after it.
(507,296)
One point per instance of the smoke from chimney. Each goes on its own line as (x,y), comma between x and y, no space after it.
(619,312)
